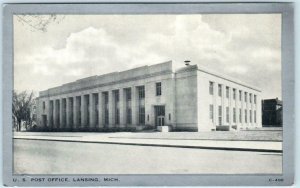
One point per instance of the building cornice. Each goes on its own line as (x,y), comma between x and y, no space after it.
(105,84)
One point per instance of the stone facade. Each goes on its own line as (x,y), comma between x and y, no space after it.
(147,97)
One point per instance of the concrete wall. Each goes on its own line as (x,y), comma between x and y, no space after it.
(186,99)
(205,99)
(185,95)
(146,76)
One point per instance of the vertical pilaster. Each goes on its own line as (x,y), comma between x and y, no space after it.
(68,112)
(111,109)
(92,110)
(49,114)
(61,113)
(223,105)
(55,113)
(100,110)
(122,107)
(83,112)
(243,109)
(258,110)
(75,114)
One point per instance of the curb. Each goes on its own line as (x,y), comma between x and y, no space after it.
(163,145)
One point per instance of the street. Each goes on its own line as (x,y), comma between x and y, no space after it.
(55,157)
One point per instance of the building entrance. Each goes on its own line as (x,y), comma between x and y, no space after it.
(159,115)
(44,120)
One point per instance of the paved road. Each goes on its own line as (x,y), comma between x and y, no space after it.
(54,157)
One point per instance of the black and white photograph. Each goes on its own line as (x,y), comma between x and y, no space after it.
(147,94)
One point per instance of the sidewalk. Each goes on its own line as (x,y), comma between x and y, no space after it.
(130,139)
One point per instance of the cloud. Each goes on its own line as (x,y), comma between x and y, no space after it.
(94,45)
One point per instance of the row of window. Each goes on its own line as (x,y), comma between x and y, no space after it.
(234,118)
(234,93)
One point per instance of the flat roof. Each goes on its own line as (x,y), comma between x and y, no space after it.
(216,74)
(110,78)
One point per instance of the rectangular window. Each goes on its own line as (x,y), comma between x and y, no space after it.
(250,111)
(44,106)
(240,115)
(254,99)
(227,92)
(245,116)
(117,97)
(240,95)
(169,117)
(234,115)
(211,112)
(141,92)
(250,97)
(220,90)
(254,116)
(220,115)
(234,94)
(211,88)
(142,115)
(245,96)
(106,115)
(117,111)
(227,114)
(158,89)
(128,116)
(128,94)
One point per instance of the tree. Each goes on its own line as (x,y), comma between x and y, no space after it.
(22,103)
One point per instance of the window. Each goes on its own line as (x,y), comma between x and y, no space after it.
(117,98)
(211,88)
(128,116)
(106,115)
(142,115)
(117,110)
(158,89)
(240,95)
(44,106)
(240,115)
(148,117)
(169,116)
(141,92)
(234,94)
(245,96)
(220,115)
(250,97)
(227,114)
(117,116)
(227,92)
(250,116)
(220,90)
(128,94)
(254,116)
(234,115)
(245,116)
(211,112)
(254,99)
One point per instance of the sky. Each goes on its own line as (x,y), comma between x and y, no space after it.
(244,46)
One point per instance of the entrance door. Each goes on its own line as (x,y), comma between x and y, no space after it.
(44,120)
(159,112)
(161,120)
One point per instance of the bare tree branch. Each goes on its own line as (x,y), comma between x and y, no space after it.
(39,22)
